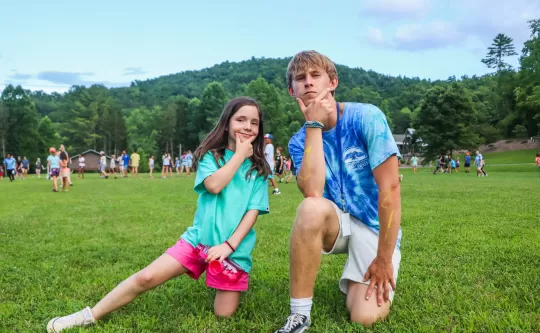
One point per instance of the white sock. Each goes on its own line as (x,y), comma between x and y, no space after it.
(302,306)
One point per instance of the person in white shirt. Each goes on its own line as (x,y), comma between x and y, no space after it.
(151,165)
(82,164)
(269,155)
(103,165)
(166,165)
(112,165)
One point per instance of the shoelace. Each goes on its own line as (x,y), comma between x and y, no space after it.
(292,321)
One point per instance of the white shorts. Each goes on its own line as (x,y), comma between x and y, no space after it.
(361,246)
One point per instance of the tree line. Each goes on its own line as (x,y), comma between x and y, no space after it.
(158,115)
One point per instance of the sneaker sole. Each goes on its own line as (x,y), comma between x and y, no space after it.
(50,325)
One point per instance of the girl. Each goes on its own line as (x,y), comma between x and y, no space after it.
(53,164)
(538,162)
(177,165)
(82,164)
(151,165)
(457,164)
(414,162)
(112,165)
(183,165)
(63,149)
(39,166)
(230,163)
(103,165)
(279,164)
(189,162)
(292,168)
(64,170)
(19,168)
(166,163)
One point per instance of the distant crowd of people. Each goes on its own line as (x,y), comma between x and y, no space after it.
(282,166)
(446,163)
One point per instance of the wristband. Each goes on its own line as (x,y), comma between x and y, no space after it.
(232,248)
(313,124)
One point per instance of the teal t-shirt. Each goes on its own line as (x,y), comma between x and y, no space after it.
(55,161)
(218,215)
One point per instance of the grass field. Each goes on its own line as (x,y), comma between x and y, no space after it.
(508,161)
(470,257)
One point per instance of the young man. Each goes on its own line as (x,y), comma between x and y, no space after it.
(10,167)
(269,155)
(125,160)
(347,170)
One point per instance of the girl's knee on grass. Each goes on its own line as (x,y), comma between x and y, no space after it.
(226,303)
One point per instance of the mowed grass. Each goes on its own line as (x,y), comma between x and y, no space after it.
(470,257)
(507,157)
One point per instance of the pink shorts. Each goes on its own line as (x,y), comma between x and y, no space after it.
(182,251)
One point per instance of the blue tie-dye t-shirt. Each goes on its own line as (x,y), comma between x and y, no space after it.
(366,142)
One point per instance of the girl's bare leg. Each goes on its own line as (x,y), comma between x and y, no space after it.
(161,270)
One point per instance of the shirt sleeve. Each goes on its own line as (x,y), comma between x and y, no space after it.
(259,196)
(377,135)
(207,166)
(297,153)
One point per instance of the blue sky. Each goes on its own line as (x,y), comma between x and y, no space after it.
(51,45)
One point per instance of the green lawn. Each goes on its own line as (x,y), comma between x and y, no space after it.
(470,257)
(507,157)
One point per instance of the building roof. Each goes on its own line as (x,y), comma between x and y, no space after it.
(399,138)
(86,152)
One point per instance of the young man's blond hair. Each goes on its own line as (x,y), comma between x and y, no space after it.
(304,60)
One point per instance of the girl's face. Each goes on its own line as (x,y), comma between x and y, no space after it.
(245,122)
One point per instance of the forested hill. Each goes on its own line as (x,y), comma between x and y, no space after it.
(235,76)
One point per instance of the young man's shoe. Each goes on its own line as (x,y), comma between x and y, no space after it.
(296,323)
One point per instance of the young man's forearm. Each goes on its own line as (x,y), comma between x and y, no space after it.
(312,175)
(389,220)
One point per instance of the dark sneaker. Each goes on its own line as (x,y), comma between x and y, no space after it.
(296,323)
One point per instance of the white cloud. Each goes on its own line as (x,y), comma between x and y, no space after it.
(396,9)
(375,36)
(486,18)
(416,36)
(434,34)
(477,23)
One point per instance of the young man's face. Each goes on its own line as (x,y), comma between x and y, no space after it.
(307,85)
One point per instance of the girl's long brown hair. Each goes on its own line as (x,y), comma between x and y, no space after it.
(216,141)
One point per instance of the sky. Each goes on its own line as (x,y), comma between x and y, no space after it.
(51,45)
